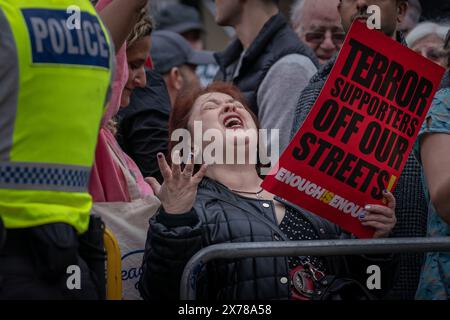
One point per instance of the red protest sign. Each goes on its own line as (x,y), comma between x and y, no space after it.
(360,132)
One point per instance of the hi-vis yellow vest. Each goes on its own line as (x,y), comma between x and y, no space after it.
(54,82)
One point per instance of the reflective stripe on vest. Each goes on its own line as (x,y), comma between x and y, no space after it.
(51,177)
(52,99)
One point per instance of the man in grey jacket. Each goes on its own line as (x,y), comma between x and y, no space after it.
(267,61)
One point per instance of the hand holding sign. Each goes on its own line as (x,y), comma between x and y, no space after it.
(381,218)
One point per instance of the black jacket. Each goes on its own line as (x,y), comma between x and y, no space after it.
(274,41)
(143,125)
(221,216)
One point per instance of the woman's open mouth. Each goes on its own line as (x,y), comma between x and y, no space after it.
(233,122)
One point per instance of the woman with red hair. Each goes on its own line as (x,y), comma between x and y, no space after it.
(224,202)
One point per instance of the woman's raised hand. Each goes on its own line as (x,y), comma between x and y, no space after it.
(179,189)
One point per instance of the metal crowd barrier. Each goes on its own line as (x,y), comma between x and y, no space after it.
(302,248)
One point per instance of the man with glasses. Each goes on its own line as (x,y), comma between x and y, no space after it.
(318,24)
(411,208)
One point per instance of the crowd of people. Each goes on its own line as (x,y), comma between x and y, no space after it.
(88,118)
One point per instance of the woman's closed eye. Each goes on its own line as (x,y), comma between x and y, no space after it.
(213,104)
(210,105)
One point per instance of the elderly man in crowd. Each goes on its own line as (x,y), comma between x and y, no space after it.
(318,24)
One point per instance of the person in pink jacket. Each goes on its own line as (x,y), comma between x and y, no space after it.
(108,182)
(121,197)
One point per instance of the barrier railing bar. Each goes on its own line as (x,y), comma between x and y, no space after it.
(303,248)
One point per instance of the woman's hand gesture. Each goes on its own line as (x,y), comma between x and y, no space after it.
(179,189)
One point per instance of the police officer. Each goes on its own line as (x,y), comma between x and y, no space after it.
(55,77)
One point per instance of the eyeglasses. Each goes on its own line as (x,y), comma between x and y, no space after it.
(318,37)
(432,53)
